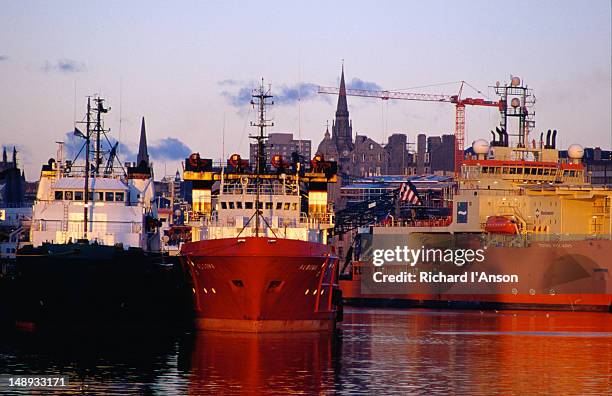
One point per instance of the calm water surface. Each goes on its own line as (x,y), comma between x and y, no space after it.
(376,351)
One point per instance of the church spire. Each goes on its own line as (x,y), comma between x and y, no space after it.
(342,109)
(342,131)
(143,154)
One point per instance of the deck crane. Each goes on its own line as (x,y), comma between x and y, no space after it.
(457,100)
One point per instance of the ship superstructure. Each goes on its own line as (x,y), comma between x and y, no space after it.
(96,199)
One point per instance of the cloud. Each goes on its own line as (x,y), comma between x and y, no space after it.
(73,145)
(169,149)
(64,66)
(238,93)
(357,83)
(166,149)
(3,57)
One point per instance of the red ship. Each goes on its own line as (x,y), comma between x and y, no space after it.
(259,259)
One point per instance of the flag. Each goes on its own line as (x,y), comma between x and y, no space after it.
(408,193)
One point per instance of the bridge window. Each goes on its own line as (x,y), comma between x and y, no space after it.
(59,195)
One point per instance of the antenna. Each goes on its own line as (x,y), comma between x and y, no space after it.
(120,113)
(259,98)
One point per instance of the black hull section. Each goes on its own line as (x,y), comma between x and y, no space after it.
(94,285)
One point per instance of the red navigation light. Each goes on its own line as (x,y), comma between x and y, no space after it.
(277,161)
(235,160)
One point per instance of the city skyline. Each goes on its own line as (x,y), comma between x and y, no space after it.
(188,70)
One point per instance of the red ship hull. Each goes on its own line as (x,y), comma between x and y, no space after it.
(261,284)
(590,256)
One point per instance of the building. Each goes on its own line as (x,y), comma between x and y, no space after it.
(435,155)
(401,161)
(12,181)
(282,144)
(441,153)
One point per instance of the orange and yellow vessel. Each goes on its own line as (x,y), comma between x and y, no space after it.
(534,212)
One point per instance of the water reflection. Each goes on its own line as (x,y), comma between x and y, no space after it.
(376,351)
(279,363)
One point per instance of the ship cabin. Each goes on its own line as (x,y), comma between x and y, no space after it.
(291,201)
(530,191)
(522,192)
(116,208)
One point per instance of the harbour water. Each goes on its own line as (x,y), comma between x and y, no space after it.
(376,351)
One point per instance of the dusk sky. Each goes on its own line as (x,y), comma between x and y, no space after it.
(183,65)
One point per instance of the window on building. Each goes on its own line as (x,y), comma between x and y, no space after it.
(223,205)
(248,205)
(293,206)
(231,205)
(68,195)
(109,196)
(268,205)
(286,205)
(239,204)
(119,196)
(279,205)
(78,195)
(99,196)
(59,195)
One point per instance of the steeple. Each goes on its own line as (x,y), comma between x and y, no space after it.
(143,154)
(342,108)
(327,130)
(342,130)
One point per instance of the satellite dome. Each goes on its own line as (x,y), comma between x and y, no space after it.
(480,146)
(575,151)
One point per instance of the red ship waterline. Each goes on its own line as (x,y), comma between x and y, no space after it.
(535,212)
(259,258)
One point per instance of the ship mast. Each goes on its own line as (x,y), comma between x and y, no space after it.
(87,142)
(259,98)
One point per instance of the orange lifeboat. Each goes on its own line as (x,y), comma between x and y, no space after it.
(500,225)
